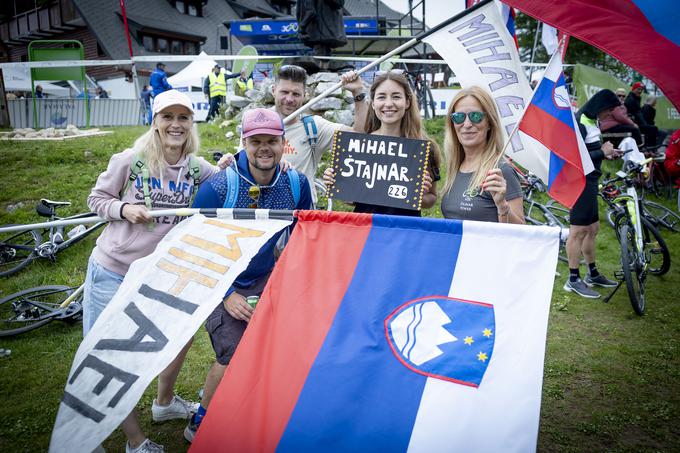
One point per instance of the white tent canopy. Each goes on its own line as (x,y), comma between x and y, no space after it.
(193,74)
(190,80)
(19,79)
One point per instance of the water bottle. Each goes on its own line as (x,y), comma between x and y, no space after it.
(77,231)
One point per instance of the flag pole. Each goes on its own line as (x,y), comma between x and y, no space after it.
(533,93)
(235,213)
(396,51)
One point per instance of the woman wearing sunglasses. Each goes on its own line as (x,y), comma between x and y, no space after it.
(480,184)
(393,111)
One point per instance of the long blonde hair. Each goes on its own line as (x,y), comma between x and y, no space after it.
(151,146)
(453,150)
(411,125)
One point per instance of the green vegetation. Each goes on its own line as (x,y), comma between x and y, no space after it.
(612,379)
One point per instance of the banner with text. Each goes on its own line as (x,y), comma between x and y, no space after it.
(480,50)
(163,300)
(588,81)
(379,169)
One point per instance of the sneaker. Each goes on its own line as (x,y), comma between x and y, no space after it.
(581,289)
(600,280)
(190,431)
(178,408)
(147,446)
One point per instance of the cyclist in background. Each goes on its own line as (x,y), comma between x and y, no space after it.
(584,217)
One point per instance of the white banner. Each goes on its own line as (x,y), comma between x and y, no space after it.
(163,300)
(480,51)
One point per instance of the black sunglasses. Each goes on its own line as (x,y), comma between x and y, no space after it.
(475,117)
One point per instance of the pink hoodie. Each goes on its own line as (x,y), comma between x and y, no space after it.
(122,242)
(613,117)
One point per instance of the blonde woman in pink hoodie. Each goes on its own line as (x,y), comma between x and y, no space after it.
(166,151)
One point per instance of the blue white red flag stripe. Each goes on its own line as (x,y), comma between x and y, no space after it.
(642,34)
(322,368)
(548,118)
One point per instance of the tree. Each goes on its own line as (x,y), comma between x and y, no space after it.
(577,51)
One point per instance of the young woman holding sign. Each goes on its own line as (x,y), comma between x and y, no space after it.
(164,154)
(480,184)
(394,112)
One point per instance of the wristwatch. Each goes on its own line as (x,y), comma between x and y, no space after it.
(360,97)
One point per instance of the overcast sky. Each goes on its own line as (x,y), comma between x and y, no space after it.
(435,10)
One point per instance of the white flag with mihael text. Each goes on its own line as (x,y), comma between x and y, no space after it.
(162,302)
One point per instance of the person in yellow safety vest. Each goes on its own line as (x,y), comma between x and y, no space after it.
(215,88)
(243,83)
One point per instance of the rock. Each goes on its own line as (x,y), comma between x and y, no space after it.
(226,123)
(329,103)
(255,95)
(49,132)
(229,134)
(87,153)
(32,135)
(323,86)
(237,101)
(13,207)
(323,77)
(266,90)
(345,117)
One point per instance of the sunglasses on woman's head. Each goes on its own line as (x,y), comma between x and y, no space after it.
(391,71)
(254,194)
(459,117)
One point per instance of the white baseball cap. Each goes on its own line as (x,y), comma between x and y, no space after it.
(169,98)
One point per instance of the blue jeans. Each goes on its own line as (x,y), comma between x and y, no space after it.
(100,286)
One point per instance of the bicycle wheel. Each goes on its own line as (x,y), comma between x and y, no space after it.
(560,214)
(17,250)
(633,272)
(657,255)
(661,216)
(32,308)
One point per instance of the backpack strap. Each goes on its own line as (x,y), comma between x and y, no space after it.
(294,178)
(312,135)
(232,188)
(195,174)
(138,167)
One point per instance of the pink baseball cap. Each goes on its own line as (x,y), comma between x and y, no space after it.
(261,121)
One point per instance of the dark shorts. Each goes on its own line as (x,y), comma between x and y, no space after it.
(585,212)
(224,330)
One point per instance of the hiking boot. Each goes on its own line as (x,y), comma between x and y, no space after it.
(581,289)
(178,408)
(190,431)
(145,447)
(600,280)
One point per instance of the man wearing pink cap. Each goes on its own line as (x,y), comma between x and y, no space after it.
(254,180)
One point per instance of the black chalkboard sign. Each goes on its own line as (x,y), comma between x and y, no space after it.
(379,170)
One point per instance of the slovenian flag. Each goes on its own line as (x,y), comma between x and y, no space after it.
(549,119)
(382,333)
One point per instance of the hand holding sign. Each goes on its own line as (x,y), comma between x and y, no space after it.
(379,170)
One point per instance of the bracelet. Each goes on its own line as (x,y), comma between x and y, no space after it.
(121,210)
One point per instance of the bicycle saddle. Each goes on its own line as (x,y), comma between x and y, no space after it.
(54,204)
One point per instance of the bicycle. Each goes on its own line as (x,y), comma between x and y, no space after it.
(640,241)
(657,214)
(32,308)
(18,250)
(537,213)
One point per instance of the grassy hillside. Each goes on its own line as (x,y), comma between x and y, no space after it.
(611,382)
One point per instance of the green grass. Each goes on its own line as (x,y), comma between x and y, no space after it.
(611,382)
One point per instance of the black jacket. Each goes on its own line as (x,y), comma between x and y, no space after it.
(632,104)
(320,22)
